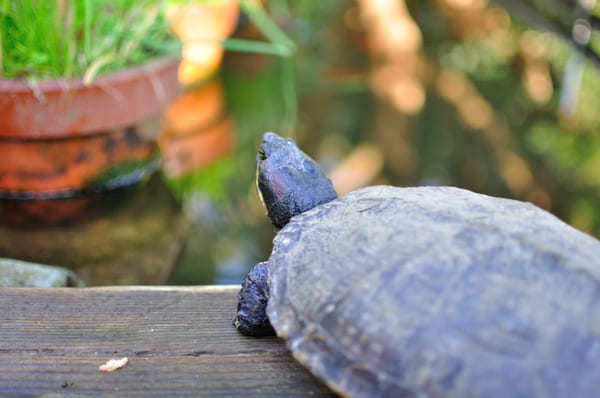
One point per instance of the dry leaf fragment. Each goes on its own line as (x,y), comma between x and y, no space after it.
(113,364)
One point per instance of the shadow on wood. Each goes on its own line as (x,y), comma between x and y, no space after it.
(179,340)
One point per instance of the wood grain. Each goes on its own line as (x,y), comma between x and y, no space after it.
(179,341)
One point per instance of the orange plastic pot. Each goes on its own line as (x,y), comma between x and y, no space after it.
(201,26)
(194,109)
(61,135)
(196,131)
(189,153)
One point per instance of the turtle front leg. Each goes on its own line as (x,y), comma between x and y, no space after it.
(251,318)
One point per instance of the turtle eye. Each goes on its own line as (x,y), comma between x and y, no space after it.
(261,154)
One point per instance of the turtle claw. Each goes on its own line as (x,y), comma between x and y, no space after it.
(251,318)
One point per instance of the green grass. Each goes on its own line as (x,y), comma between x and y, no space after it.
(43,39)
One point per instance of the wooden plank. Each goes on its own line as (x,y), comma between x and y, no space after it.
(179,341)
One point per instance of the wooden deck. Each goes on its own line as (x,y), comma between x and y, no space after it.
(179,341)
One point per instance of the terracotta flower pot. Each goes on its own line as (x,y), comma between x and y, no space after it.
(62,136)
(51,168)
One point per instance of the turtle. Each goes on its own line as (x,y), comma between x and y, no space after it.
(431,291)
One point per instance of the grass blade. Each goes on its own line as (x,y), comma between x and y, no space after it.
(266,25)
(255,46)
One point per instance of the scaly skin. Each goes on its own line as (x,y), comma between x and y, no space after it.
(289,183)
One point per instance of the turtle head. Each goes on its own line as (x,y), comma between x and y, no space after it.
(289,182)
(273,145)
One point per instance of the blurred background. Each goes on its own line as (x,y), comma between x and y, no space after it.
(501,98)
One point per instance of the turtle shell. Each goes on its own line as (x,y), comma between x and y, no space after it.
(438,291)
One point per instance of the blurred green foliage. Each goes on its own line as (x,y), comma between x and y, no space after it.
(562,152)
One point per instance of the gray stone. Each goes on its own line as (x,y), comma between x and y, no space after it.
(438,292)
(25,274)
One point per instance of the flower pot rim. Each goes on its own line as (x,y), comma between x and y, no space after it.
(67,107)
(19,85)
